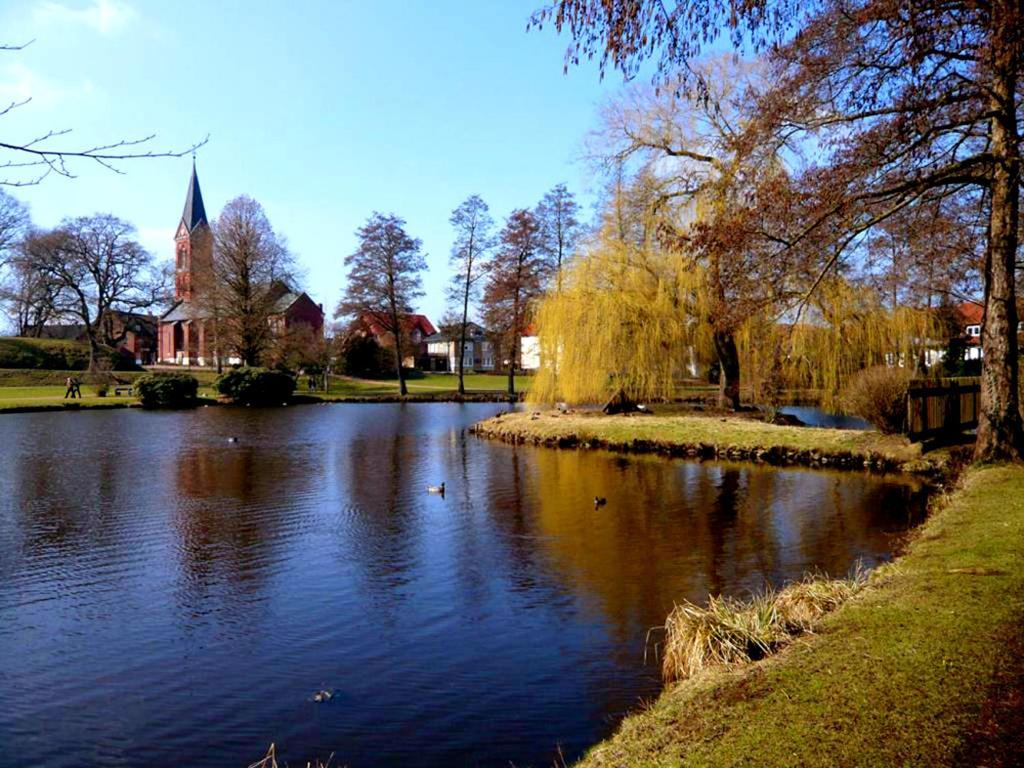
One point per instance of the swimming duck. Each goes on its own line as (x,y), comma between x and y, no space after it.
(436,489)
(599,501)
(232,439)
(321,696)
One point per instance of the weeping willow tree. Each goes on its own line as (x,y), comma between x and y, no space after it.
(848,327)
(680,241)
(636,319)
(624,318)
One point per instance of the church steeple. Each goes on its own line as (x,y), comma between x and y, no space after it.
(193,243)
(195,213)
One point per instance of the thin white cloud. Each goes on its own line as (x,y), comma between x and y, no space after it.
(107,17)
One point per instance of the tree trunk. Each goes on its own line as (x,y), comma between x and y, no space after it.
(729,370)
(402,389)
(512,365)
(93,349)
(1000,432)
(462,341)
(397,333)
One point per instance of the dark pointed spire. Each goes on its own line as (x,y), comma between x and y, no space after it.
(195,212)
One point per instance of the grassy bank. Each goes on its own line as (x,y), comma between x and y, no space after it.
(51,397)
(36,389)
(922,667)
(429,384)
(707,436)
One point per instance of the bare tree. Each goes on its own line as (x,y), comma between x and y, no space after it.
(30,297)
(384,280)
(516,273)
(97,269)
(15,282)
(252,268)
(557,214)
(30,160)
(472,222)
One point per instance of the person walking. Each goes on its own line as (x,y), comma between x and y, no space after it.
(78,387)
(69,384)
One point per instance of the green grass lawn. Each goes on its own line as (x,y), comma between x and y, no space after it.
(428,384)
(53,395)
(26,388)
(670,426)
(920,669)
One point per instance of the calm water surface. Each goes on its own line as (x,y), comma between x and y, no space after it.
(169,598)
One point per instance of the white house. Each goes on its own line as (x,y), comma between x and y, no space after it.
(529,351)
(443,350)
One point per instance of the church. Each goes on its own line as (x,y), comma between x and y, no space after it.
(185,335)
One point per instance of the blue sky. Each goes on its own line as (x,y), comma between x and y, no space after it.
(322,111)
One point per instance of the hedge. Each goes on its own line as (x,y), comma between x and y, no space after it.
(167,390)
(256,386)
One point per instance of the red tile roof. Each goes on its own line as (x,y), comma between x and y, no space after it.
(411,322)
(971,313)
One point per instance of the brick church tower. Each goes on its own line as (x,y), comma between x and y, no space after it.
(193,243)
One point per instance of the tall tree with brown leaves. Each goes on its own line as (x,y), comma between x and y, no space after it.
(516,274)
(384,280)
(250,264)
(898,99)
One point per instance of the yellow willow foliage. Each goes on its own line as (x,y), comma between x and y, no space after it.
(635,318)
(845,330)
(627,316)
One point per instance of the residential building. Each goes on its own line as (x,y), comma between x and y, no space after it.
(415,328)
(529,349)
(443,350)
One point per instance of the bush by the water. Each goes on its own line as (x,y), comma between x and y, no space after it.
(57,355)
(879,395)
(256,386)
(167,390)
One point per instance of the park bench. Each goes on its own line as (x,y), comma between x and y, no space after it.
(123,389)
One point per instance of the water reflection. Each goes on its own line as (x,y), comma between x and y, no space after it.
(186,595)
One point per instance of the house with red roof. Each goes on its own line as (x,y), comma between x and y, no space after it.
(415,330)
(971,320)
(971,317)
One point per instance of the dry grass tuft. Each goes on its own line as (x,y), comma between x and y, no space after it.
(801,604)
(270,761)
(730,631)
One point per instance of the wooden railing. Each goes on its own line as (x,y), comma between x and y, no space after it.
(942,406)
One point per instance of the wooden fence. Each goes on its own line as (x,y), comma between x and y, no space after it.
(942,406)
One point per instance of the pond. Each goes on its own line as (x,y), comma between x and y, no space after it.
(815,416)
(168,597)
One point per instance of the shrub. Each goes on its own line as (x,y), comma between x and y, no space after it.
(363,357)
(256,386)
(167,390)
(879,395)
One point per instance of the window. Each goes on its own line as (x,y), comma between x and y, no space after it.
(974,331)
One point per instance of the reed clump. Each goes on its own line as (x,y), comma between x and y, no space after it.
(270,761)
(729,631)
